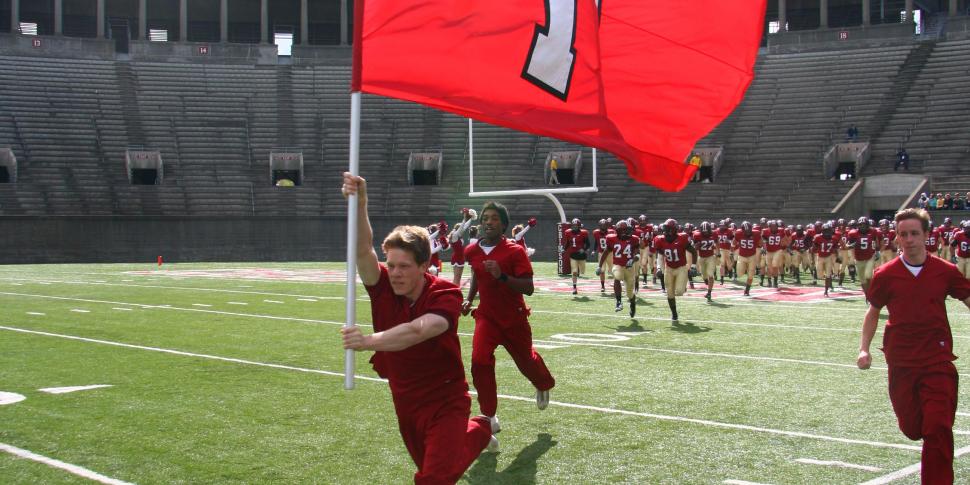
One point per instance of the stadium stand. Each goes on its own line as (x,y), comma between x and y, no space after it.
(69,122)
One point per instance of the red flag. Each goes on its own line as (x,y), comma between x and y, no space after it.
(641,80)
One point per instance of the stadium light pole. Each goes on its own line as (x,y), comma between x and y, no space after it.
(352,236)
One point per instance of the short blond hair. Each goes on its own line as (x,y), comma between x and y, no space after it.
(914,213)
(413,239)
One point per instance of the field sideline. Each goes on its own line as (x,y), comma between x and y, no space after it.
(232,373)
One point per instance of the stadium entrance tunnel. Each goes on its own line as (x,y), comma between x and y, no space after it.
(286,168)
(8,166)
(569,165)
(144,166)
(424,168)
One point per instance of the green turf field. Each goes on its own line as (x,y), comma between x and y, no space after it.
(234,375)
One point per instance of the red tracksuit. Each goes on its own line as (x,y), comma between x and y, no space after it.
(919,350)
(428,384)
(502,319)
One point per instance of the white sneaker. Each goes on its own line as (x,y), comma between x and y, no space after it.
(542,399)
(492,445)
(493,421)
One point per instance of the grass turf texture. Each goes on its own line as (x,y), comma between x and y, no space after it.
(181,419)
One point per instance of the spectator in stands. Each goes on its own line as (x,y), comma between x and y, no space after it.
(932,203)
(553,177)
(285,183)
(939,201)
(948,202)
(959,203)
(852,134)
(924,201)
(967,201)
(902,159)
(696,161)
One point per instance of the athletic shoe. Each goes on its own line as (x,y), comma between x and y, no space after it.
(633,308)
(492,445)
(574,289)
(542,399)
(493,423)
(619,307)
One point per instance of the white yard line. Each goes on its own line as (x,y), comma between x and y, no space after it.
(531,400)
(203,305)
(308,299)
(272,301)
(182,288)
(38,314)
(741,482)
(963,414)
(72,469)
(841,464)
(78,310)
(121,309)
(539,341)
(236,303)
(65,390)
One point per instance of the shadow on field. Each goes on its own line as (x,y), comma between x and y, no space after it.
(687,327)
(718,304)
(634,326)
(581,298)
(521,470)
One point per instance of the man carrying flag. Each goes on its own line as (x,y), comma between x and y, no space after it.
(416,348)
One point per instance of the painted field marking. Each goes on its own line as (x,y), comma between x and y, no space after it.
(78,310)
(236,303)
(842,464)
(905,472)
(591,337)
(121,309)
(531,400)
(272,301)
(38,314)
(961,432)
(203,305)
(65,390)
(72,469)
(548,346)
(963,414)
(17,284)
(245,286)
(550,342)
(184,288)
(10,398)
(741,482)
(308,299)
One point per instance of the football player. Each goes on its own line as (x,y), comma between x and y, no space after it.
(646,240)
(674,247)
(800,247)
(887,243)
(705,242)
(946,236)
(577,243)
(747,242)
(933,240)
(961,241)
(825,245)
(624,247)
(724,237)
(774,239)
(599,240)
(864,241)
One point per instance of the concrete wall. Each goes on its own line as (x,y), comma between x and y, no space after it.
(215,52)
(56,46)
(889,191)
(831,39)
(92,239)
(958,28)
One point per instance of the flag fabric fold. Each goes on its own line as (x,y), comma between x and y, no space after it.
(642,80)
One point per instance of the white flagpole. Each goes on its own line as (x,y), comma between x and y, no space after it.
(352,236)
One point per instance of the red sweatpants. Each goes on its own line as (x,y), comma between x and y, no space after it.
(517,340)
(440,438)
(925,402)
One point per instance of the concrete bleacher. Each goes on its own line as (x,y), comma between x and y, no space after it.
(70,121)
